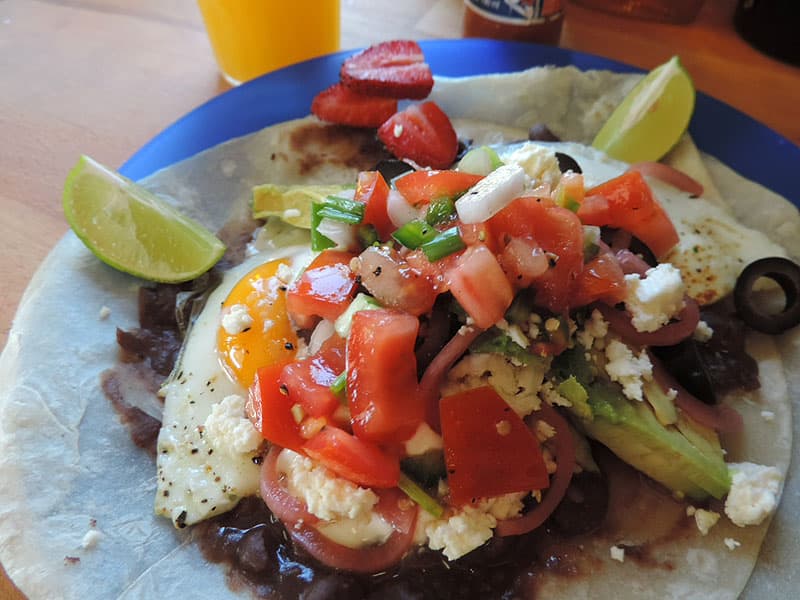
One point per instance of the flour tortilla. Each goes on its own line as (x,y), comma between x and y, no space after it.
(68,466)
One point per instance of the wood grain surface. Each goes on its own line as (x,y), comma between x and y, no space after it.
(102,77)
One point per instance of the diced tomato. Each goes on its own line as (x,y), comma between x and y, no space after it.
(602,279)
(270,409)
(395,283)
(570,191)
(627,202)
(373,191)
(422,133)
(382,387)
(519,219)
(523,261)
(436,271)
(354,459)
(479,285)
(477,233)
(559,232)
(324,289)
(421,187)
(488,449)
(309,381)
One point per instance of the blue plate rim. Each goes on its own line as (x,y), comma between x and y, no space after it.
(744,144)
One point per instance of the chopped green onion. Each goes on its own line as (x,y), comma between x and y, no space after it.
(444,244)
(342,210)
(339,384)
(420,496)
(414,233)
(319,242)
(440,210)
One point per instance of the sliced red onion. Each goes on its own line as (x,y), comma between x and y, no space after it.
(565,457)
(621,240)
(719,417)
(370,559)
(631,263)
(281,503)
(668,335)
(434,375)
(670,176)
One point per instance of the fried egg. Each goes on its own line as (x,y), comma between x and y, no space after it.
(714,247)
(243,325)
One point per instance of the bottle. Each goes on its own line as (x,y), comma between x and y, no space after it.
(517,20)
(771,26)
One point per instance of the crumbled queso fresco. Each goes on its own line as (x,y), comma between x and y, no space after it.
(228,429)
(754,493)
(236,319)
(656,298)
(327,496)
(628,369)
(704,519)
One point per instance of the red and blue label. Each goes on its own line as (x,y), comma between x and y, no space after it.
(517,12)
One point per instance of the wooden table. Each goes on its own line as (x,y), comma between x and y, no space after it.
(102,77)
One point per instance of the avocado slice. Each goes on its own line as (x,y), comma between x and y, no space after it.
(691,464)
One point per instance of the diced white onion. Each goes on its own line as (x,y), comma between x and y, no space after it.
(491,194)
(399,210)
(320,335)
(341,234)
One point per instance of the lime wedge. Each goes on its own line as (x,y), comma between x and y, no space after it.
(133,230)
(652,117)
(292,203)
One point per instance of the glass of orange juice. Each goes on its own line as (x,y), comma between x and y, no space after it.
(252,37)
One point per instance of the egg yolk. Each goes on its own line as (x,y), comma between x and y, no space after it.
(257,331)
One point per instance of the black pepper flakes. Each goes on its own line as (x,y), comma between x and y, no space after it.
(289,346)
(180,522)
(257,460)
(195,450)
(283,389)
(377,271)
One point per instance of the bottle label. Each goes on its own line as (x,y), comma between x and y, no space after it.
(517,12)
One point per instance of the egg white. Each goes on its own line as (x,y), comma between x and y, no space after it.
(195,480)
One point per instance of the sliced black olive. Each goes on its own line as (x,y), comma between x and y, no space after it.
(687,365)
(463,147)
(391,168)
(540,133)
(567,163)
(786,274)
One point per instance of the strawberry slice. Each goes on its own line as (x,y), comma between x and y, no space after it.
(396,69)
(422,133)
(337,104)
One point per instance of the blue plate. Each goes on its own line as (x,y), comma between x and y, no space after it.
(742,143)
